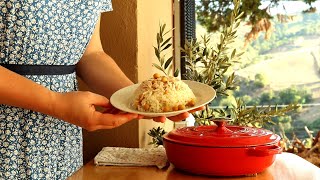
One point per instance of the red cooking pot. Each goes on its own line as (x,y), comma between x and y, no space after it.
(221,150)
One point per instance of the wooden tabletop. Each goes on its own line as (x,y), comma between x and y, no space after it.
(287,166)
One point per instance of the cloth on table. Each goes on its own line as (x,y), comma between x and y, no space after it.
(121,156)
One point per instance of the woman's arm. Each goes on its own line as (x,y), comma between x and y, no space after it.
(98,70)
(74,107)
(16,90)
(101,73)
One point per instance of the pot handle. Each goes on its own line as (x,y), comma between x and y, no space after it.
(262,151)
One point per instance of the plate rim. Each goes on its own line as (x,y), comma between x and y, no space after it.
(166,114)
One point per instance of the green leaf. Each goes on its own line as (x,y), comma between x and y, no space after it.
(167,32)
(167,46)
(158,39)
(188,63)
(204,52)
(161,61)
(156,51)
(166,41)
(168,62)
(197,60)
(233,53)
(163,28)
(157,66)
(240,15)
(240,54)
(176,73)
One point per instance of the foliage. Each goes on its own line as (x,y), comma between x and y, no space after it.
(260,96)
(157,136)
(209,64)
(211,14)
(294,94)
(260,81)
(315,124)
(254,116)
(162,45)
(201,117)
(286,34)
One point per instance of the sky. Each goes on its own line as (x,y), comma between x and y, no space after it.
(290,7)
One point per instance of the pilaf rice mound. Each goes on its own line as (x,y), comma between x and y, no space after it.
(163,94)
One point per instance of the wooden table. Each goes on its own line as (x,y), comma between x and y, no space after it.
(287,166)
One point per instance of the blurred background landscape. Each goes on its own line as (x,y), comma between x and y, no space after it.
(281,69)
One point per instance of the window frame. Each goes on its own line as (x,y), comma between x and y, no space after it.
(187,27)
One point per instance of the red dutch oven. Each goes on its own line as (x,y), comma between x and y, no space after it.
(221,150)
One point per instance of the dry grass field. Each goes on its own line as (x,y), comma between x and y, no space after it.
(294,67)
(287,68)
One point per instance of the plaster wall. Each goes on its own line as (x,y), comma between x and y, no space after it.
(151,13)
(128,35)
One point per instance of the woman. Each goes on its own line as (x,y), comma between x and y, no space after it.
(44,44)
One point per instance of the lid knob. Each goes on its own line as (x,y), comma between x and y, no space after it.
(221,123)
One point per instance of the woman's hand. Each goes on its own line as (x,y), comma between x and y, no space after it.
(178,117)
(79,108)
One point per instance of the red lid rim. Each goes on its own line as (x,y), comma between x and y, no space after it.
(228,136)
(166,138)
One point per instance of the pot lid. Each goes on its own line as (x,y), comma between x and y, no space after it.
(221,135)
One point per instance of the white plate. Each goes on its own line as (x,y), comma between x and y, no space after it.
(122,99)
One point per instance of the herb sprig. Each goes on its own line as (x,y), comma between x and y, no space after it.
(157,136)
(163,43)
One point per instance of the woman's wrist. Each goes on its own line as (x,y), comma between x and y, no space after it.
(56,104)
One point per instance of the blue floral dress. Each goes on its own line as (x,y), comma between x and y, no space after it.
(43,32)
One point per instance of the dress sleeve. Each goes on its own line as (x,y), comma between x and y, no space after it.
(106,5)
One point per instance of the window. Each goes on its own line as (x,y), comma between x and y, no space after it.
(187,26)
(283,69)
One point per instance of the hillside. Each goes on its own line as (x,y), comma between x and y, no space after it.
(295,67)
(287,68)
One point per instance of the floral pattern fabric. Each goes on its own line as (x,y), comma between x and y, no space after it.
(43,32)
